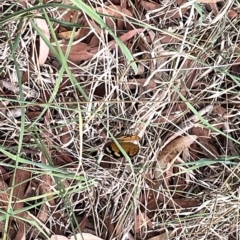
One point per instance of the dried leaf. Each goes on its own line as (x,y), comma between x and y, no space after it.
(142,220)
(58,237)
(67,35)
(117,12)
(65,136)
(169,153)
(208,1)
(21,178)
(174,13)
(232,14)
(186,202)
(149,5)
(43,47)
(204,138)
(21,231)
(85,236)
(82,51)
(114,11)
(214,8)
(164,236)
(3,195)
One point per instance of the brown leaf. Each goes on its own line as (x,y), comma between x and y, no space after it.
(117,12)
(163,236)
(85,236)
(174,13)
(21,231)
(67,35)
(186,202)
(204,138)
(65,136)
(236,68)
(19,184)
(232,14)
(82,51)
(214,8)
(149,5)
(109,224)
(21,180)
(142,220)
(180,2)
(170,152)
(114,11)
(58,237)
(125,37)
(208,1)
(32,115)
(169,39)
(43,47)
(3,195)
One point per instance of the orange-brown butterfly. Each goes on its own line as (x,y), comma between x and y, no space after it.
(126,143)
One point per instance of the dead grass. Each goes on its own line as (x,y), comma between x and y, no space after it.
(181,98)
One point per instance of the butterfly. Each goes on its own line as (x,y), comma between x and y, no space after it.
(126,143)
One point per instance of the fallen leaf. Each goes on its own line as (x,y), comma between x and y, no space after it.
(65,136)
(43,47)
(142,220)
(32,115)
(84,236)
(214,8)
(174,13)
(125,37)
(235,67)
(108,220)
(114,11)
(82,51)
(58,237)
(21,231)
(67,35)
(163,236)
(149,5)
(206,141)
(170,152)
(21,180)
(3,195)
(232,14)
(208,1)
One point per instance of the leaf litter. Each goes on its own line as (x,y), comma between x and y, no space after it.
(158,194)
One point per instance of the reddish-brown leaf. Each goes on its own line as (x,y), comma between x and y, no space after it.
(3,194)
(65,136)
(21,231)
(149,5)
(209,1)
(169,153)
(85,236)
(142,220)
(82,51)
(20,182)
